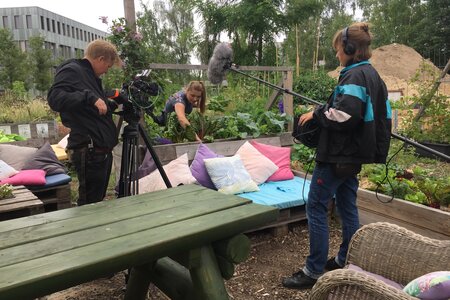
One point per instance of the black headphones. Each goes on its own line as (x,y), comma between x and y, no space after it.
(349,48)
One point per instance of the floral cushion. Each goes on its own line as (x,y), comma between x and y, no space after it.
(229,175)
(431,286)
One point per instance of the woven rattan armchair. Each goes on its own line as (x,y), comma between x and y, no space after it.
(387,250)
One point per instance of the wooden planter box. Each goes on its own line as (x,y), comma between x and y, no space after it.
(430,222)
(36,133)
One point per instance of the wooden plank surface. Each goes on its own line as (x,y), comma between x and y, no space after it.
(405,212)
(23,200)
(107,249)
(18,249)
(166,195)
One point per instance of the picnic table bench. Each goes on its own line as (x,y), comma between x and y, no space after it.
(44,253)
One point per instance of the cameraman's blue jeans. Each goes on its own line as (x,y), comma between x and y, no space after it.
(325,185)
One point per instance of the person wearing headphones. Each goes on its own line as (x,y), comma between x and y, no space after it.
(355,128)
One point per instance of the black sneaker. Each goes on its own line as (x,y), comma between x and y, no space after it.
(332,265)
(299,281)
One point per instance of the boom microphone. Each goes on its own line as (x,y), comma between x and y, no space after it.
(220,62)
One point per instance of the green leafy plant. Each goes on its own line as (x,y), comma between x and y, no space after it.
(303,157)
(6,191)
(433,125)
(6,138)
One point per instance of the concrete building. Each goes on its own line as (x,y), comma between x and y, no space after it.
(65,37)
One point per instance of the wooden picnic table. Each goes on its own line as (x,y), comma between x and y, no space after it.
(49,252)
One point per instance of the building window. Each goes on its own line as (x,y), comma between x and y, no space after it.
(17,24)
(73,32)
(58,25)
(68,30)
(48,24)
(64,28)
(5,22)
(78,35)
(42,23)
(29,22)
(53,26)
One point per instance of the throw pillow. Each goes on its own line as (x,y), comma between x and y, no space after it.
(147,166)
(258,166)
(432,286)
(177,171)
(229,175)
(26,177)
(6,170)
(376,276)
(45,159)
(15,156)
(198,167)
(281,156)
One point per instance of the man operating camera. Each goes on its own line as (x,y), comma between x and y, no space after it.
(78,95)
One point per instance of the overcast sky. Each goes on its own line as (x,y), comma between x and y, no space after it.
(83,11)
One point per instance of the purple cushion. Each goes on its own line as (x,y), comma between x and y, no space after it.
(45,159)
(147,166)
(431,286)
(198,168)
(26,177)
(376,276)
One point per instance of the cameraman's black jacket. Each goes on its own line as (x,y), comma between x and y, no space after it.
(356,120)
(73,94)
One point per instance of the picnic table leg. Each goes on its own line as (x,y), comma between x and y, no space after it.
(138,283)
(206,277)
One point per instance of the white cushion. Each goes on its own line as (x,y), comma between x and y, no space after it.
(258,166)
(6,170)
(177,171)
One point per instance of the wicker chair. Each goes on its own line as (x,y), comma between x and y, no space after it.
(387,250)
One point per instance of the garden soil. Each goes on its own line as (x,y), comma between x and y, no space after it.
(397,64)
(259,277)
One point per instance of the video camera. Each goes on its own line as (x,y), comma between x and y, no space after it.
(136,96)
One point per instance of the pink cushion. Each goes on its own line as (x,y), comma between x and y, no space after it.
(26,177)
(281,156)
(258,166)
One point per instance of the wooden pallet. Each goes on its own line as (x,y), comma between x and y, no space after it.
(24,203)
(54,198)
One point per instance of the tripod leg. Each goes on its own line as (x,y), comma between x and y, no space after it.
(128,181)
(154,156)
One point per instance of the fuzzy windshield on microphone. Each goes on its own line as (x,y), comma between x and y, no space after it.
(220,62)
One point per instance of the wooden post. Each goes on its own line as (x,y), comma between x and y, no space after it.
(207,278)
(138,283)
(288,100)
(130,13)
(297,59)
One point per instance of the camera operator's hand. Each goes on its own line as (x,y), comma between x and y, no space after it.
(305,118)
(101,106)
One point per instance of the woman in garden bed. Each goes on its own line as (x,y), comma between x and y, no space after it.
(183,102)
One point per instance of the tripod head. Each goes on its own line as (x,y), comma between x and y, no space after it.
(136,97)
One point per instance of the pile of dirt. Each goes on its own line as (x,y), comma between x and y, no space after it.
(397,64)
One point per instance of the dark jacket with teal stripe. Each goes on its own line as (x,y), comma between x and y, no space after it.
(356,120)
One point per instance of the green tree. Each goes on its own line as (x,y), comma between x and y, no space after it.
(12,61)
(40,63)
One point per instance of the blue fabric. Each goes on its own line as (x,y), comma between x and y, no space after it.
(359,92)
(388,109)
(280,194)
(324,185)
(52,180)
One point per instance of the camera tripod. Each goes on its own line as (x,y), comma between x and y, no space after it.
(128,181)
